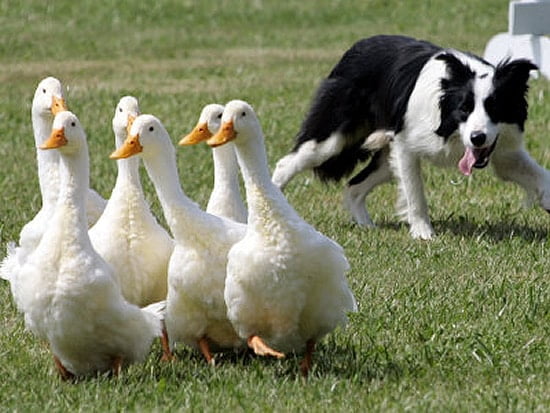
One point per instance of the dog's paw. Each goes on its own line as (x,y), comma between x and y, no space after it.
(422,230)
(283,171)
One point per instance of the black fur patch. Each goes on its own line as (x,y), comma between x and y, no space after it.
(508,103)
(366,171)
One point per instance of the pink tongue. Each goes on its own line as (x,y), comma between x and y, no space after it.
(467,162)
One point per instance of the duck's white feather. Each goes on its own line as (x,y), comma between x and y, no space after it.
(68,292)
(127,235)
(196,273)
(285,281)
(225,199)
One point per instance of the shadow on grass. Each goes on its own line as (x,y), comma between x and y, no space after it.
(361,367)
(494,231)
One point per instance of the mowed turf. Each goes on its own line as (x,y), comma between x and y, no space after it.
(461,323)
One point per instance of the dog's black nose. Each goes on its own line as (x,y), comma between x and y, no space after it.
(478,138)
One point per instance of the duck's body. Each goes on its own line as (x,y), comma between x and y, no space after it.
(225,199)
(196,313)
(127,235)
(68,292)
(285,281)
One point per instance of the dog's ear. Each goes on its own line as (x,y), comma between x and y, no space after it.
(508,102)
(514,72)
(460,72)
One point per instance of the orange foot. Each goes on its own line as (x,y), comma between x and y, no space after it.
(65,374)
(116,365)
(261,348)
(307,362)
(205,350)
(167,354)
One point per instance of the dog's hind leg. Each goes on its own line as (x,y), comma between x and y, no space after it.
(518,166)
(308,155)
(375,173)
(406,168)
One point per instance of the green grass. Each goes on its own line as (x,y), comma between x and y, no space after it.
(461,323)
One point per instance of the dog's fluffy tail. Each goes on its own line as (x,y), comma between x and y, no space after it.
(378,139)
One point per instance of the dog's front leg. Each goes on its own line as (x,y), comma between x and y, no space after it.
(518,166)
(409,177)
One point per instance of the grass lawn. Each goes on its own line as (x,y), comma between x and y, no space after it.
(461,323)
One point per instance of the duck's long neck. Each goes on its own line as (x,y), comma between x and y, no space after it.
(47,160)
(74,186)
(265,201)
(226,169)
(179,210)
(128,173)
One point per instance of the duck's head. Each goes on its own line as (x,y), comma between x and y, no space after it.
(49,98)
(208,124)
(239,124)
(147,135)
(67,134)
(126,112)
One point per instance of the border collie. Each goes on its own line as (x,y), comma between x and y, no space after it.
(396,101)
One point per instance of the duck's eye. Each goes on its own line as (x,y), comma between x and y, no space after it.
(73,124)
(243,114)
(220,116)
(151,129)
(120,109)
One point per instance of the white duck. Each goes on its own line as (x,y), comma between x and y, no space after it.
(69,294)
(286,286)
(127,235)
(196,313)
(48,100)
(225,199)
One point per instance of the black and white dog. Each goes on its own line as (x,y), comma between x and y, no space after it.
(397,101)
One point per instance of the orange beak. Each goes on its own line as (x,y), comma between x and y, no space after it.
(131,120)
(225,134)
(130,147)
(198,134)
(57,139)
(58,105)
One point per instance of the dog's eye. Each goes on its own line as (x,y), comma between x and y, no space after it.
(466,107)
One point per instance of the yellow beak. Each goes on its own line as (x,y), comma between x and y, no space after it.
(58,105)
(130,147)
(57,139)
(198,134)
(225,134)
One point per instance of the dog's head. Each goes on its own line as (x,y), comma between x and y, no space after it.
(477,98)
